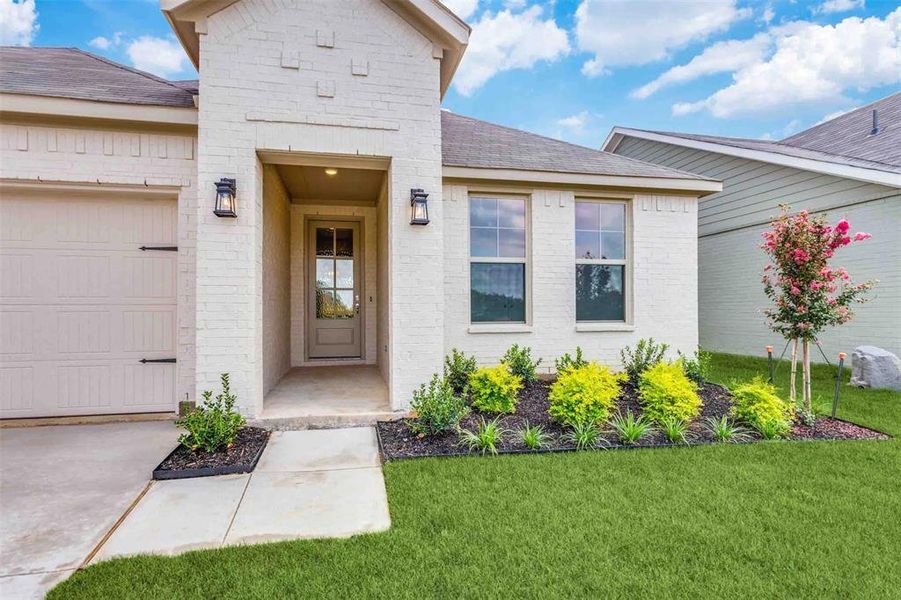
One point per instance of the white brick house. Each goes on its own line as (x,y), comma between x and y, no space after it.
(326,114)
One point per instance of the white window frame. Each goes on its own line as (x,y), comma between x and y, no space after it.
(626,262)
(500,326)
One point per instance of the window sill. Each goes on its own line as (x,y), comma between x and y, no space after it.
(500,328)
(604,327)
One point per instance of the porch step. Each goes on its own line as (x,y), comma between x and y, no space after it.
(333,421)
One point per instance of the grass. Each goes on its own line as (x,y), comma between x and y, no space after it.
(773,519)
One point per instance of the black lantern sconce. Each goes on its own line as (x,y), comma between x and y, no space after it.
(419,207)
(225,198)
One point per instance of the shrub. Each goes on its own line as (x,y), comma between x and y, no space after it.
(666,393)
(519,361)
(495,389)
(697,366)
(646,354)
(437,409)
(458,368)
(533,436)
(630,429)
(485,438)
(214,424)
(724,430)
(584,395)
(568,363)
(584,435)
(674,430)
(756,404)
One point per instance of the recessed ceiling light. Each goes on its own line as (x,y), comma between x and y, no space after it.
(331,172)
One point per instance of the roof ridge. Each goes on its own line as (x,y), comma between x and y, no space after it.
(836,154)
(118,65)
(844,114)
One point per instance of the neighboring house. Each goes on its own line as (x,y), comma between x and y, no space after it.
(847,168)
(326,115)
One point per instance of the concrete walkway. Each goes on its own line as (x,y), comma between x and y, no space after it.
(314,483)
(62,488)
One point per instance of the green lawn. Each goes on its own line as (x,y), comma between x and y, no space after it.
(774,519)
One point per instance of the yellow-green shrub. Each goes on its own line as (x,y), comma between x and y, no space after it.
(757,404)
(495,389)
(584,395)
(666,393)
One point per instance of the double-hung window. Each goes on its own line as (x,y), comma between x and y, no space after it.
(601,260)
(498,266)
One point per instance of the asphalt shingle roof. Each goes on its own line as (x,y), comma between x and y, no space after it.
(74,73)
(468,142)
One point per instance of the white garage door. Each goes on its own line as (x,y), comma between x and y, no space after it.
(81,305)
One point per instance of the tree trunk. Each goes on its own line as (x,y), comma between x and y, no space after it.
(807,399)
(792,396)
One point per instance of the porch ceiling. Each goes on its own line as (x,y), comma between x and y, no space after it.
(312,185)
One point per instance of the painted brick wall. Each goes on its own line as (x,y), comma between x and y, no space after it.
(664,279)
(276,278)
(151,158)
(281,76)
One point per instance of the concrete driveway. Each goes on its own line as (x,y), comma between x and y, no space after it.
(61,490)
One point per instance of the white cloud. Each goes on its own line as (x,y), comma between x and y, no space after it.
(833,115)
(160,56)
(18,22)
(768,14)
(574,122)
(837,6)
(721,57)
(105,43)
(790,128)
(462,8)
(506,41)
(811,65)
(623,32)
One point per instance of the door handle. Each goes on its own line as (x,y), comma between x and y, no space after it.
(357,304)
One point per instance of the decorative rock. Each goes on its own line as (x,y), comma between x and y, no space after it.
(874,367)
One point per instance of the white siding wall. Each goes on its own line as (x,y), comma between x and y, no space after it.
(98,156)
(279,76)
(663,274)
(276,278)
(730,224)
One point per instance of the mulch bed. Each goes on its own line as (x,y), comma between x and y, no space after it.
(397,441)
(240,457)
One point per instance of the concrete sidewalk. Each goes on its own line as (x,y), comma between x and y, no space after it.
(314,483)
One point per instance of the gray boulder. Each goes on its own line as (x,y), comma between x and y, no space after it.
(873,367)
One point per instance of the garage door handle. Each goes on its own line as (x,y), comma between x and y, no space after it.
(156,360)
(162,248)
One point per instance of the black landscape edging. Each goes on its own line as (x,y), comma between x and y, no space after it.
(246,467)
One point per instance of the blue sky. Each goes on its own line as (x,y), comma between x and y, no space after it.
(574,68)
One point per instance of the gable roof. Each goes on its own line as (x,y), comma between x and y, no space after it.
(468,142)
(74,73)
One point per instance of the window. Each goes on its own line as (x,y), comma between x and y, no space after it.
(497,250)
(601,261)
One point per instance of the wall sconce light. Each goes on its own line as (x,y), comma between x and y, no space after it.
(225,198)
(419,206)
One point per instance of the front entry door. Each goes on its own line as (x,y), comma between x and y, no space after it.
(334,321)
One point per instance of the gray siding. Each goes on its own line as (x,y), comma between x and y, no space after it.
(730,223)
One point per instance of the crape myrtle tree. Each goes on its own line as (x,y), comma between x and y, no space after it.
(808,294)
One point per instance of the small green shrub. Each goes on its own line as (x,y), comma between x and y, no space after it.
(534,437)
(458,368)
(666,393)
(674,430)
(485,438)
(630,429)
(757,404)
(697,367)
(724,430)
(519,361)
(584,435)
(584,395)
(568,363)
(646,354)
(214,424)
(436,408)
(494,389)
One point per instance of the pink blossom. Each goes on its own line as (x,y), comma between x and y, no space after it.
(842,227)
(861,236)
(795,291)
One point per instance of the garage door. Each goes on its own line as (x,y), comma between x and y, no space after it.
(86,315)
